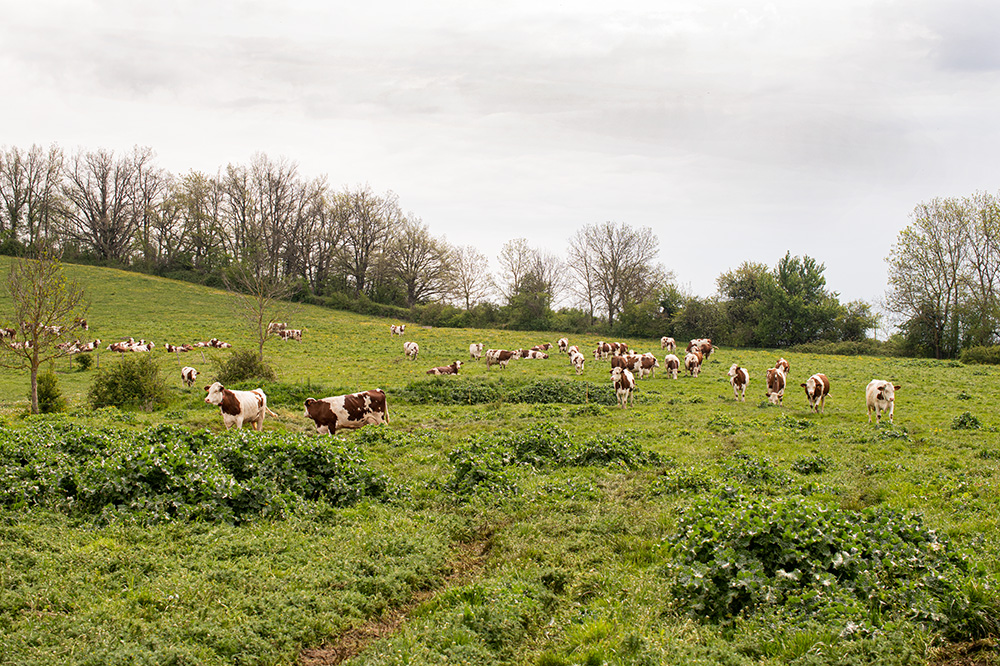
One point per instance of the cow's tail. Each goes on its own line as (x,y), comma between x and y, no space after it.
(385,415)
(268,409)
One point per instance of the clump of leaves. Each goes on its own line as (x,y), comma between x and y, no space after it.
(132,382)
(816,464)
(244,365)
(50,397)
(966,421)
(83,362)
(754,470)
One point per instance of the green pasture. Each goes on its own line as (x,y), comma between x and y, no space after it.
(573,507)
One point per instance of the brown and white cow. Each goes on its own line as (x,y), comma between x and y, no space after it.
(347,411)
(817,388)
(188,375)
(692,363)
(411,349)
(603,350)
(563,344)
(446,369)
(291,334)
(578,360)
(647,365)
(533,353)
(544,347)
(775,385)
(397,329)
(91,346)
(672,365)
(499,357)
(702,345)
(239,407)
(782,365)
(476,351)
(739,378)
(880,397)
(668,343)
(276,326)
(624,384)
(572,348)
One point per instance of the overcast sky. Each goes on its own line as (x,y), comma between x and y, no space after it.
(735,130)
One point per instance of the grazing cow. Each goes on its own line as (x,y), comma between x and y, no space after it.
(533,353)
(499,357)
(188,375)
(692,363)
(782,365)
(239,407)
(880,397)
(476,351)
(446,369)
(672,364)
(411,349)
(647,365)
(291,334)
(563,344)
(603,350)
(578,360)
(703,345)
(817,388)
(739,378)
(623,383)
(668,343)
(276,327)
(619,362)
(347,411)
(82,323)
(572,348)
(395,329)
(775,385)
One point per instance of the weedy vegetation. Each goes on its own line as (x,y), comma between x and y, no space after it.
(688,528)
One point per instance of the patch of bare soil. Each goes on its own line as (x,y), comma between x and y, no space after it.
(467,562)
(976,653)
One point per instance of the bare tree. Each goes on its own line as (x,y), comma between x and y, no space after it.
(366,220)
(983,272)
(47,308)
(470,275)
(550,272)
(198,200)
(29,183)
(517,261)
(258,300)
(582,273)
(419,261)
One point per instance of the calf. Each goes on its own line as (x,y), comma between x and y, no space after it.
(647,365)
(739,378)
(775,385)
(668,343)
(476,351)
(239,406)
(578,360)
(563,344)
(623,383)
(672,364)
(446,369)
(499,357)
(347,411)
(880,397)
(817,388)
(782,365)
(188,375)
(397,329)
(411,349)
(692,363)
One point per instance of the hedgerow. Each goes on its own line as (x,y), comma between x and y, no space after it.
(169,473)
(451,391)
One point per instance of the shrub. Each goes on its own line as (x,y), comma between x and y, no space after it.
(966,421)
(132,382)
(811,464)
(981,355)
(83,362)
(476,391)
(244,365)
(50,397)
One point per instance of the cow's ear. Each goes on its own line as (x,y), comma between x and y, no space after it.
(803,386)
(310,401)
(207,387)
(897,387)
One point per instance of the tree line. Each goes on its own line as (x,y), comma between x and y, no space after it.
(355,248)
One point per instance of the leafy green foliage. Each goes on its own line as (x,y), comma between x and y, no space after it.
(244,365)
(134,381)
(981,355)
(733,556)
(816,464)
(83,362)
(50,397)
(449,391)
(966,421)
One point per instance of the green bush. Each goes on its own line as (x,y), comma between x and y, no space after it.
(451,391)
(50,397)
(966,421)
(243,365)
(981,355)
(83,362)
(811,464)
(846,348)
(134,381)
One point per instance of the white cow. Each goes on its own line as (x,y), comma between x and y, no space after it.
(739,378)
(880,397)
(623,383)
(188,375)
(411,349)
(239,406)
(476,351)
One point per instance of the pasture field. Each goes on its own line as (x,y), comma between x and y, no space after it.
(501,517)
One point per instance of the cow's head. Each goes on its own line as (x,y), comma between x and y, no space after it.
(216,392)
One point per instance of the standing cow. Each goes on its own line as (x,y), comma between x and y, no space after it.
(188,375)
(739,378)
(397,329)
(775,385)
(578,360)
(476,351)
(239,407)
(692,363)
(672,365)
(817,388)
(563,344)
(624,384)
(880,396)
(668,343)
(411,349)
(347,411)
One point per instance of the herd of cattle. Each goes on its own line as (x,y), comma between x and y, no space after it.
(369,407)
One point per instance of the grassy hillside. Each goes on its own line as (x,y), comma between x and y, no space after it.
(514,526)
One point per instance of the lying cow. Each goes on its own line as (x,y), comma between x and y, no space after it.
(880,396)
(624,384)
(291,334)
(446,369)
(668,343)
(188,375)
(476,351)
(544,347)
(817,388)
(775,385)
(739,378)
(347,411)
(411,349)
(672,365)
(239,406)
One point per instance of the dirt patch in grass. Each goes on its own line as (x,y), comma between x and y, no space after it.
(977,653)
(467,562)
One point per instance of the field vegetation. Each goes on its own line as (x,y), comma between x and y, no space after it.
(502,516)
